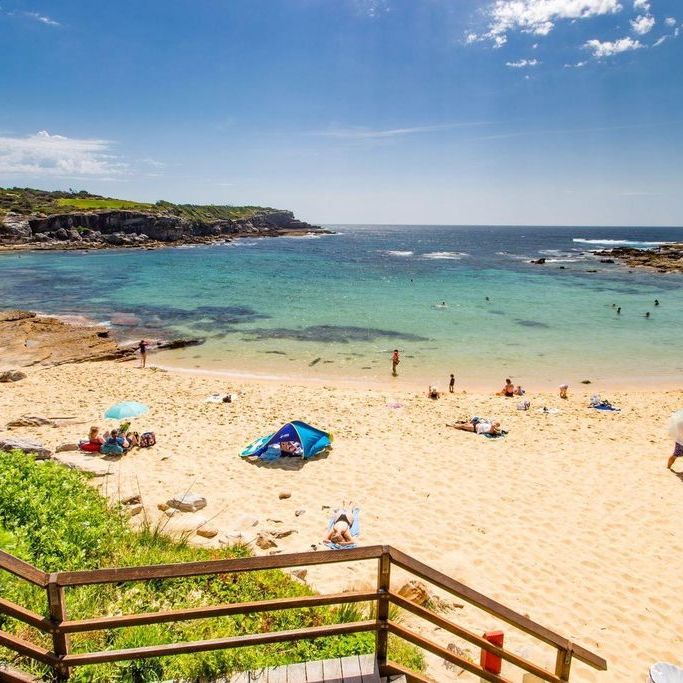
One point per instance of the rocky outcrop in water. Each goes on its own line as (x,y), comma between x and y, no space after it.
(665,258)
(119,228)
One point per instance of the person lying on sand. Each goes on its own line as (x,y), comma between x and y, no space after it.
(340,532)
(477,426)
(508,390)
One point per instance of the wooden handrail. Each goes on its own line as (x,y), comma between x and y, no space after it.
(22,614)
(100,623)
(59,626)
(23,647)
(473,638)
(495,608)
(22,569)
(442,652)
(219,644)
(187,569)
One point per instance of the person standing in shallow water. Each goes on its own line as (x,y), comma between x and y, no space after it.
(395,360)
(142,346)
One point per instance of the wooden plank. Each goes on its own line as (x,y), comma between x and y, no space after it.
(563,663)
(9,674)
(368,668)
(242,677)
(442,652)
(332,671)
(314,672)
(276,674)
(296,673)
(169,571)
(383,588)
(351,672)
(27,649)
(100,623)
(495,608)
(218,644)
(60,640)
(473,638)
(22,569)
(22,614)
(394,669)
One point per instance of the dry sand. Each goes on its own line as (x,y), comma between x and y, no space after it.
(572,519)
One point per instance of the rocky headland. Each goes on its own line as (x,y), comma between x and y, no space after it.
(33,219)
(101,229)
(666,258)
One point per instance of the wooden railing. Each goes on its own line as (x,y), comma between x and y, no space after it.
(59,626)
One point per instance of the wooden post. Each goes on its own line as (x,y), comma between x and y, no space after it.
(383,588)
(60,640)
(563,664)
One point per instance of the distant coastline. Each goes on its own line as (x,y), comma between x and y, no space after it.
(38,220)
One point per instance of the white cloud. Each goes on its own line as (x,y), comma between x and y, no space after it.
(368,134)
(641,5)
(608,48)
(539,16)
(471,38)
(642,24)
(41,18)
(522,63)
(670,21)
(578,65)
(42,154)
(661,40)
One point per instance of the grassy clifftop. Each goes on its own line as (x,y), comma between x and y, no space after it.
(28,201)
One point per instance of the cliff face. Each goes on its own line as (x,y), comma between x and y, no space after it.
(132,228)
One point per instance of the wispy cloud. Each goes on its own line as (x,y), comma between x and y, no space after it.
(523,63)
(670,21)
(33,16)
(607,48)
(42,154)
(371,8)
(576,65)
(42,18)
(370,134)
(641,5)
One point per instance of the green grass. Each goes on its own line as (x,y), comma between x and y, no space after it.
(52,518)
(26,201)
(104,204)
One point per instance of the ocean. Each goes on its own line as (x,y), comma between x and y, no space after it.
(451,298)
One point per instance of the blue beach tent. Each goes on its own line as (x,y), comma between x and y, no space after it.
(312,441)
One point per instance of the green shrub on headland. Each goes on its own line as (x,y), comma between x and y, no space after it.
(50,517)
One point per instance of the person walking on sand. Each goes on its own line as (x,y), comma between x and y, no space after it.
(564,388)
(142,347)
(395,360)
(678,453)
(451,383)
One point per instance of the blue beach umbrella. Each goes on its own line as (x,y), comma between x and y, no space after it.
(125,409)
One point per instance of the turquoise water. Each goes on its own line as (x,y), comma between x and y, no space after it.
(335,306)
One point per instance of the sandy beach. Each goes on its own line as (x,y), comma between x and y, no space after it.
(572,519)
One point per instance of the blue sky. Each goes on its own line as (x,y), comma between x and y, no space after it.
(387,111)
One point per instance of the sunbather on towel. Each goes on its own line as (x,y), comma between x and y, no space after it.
(94,441)
(340,531)
(477,426)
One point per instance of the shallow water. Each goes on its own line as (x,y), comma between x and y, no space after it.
(335,306)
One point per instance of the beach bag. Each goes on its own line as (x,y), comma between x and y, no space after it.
(111,449)
(147,439)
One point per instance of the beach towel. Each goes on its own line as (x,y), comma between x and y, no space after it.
(500,435)
(354,530)
(606,406)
